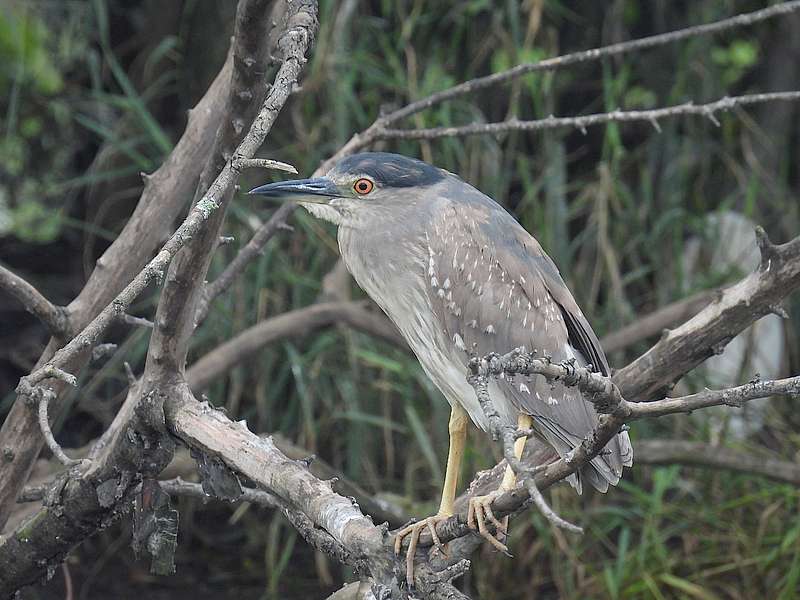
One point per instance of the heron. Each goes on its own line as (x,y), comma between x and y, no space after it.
(460,277)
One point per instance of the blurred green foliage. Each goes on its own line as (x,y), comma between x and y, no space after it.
(93,100)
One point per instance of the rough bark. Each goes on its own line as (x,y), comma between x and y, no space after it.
(166,191)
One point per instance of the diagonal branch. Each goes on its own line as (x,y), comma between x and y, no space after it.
(246,255)
(54,317)
(164,195)
(683,348)
(175,315)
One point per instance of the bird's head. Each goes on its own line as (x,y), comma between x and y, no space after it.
(361,188)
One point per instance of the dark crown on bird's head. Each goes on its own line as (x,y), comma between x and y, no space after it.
(390,170)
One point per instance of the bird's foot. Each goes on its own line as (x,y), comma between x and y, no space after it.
(414,530)
(479,511)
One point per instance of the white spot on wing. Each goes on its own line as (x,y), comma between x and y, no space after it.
(459,342)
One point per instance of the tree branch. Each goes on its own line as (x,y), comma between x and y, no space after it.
(735,397)
(164,195)
(204,428)
(582,122)
(559,62)
(293,324)
(54,317)
(733,310)
(98,497)
(245,256)
(698,454)
(175,315)
(317,538)
(371,134)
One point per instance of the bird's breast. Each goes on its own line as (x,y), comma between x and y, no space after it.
(396,279)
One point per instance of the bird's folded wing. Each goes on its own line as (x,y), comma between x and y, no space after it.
(493,289)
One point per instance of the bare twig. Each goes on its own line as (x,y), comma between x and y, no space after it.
(44,425)
(574,58)
(582,122)
(54,317)
(135,321)
(735,397)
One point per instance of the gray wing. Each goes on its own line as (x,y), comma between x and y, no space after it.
(494,289)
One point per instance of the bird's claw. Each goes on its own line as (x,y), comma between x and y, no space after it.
(480,509)
(415,530)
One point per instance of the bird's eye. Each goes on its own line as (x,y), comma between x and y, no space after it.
(363,186)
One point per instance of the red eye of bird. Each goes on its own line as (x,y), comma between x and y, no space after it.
(363,186)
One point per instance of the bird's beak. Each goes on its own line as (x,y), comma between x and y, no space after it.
(314,191)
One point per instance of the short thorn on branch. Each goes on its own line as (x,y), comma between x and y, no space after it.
(766,249)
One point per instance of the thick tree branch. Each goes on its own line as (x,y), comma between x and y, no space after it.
(54,317)
(683,348)
(313,535)
(204,428)
(97,497)
(582,122)
(165,193)
(175,315)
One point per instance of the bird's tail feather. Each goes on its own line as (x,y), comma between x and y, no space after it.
(602,470)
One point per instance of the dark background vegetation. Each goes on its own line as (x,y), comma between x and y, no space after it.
(95,92)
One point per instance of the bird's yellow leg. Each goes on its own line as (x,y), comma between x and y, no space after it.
(480,507)
(458,434)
